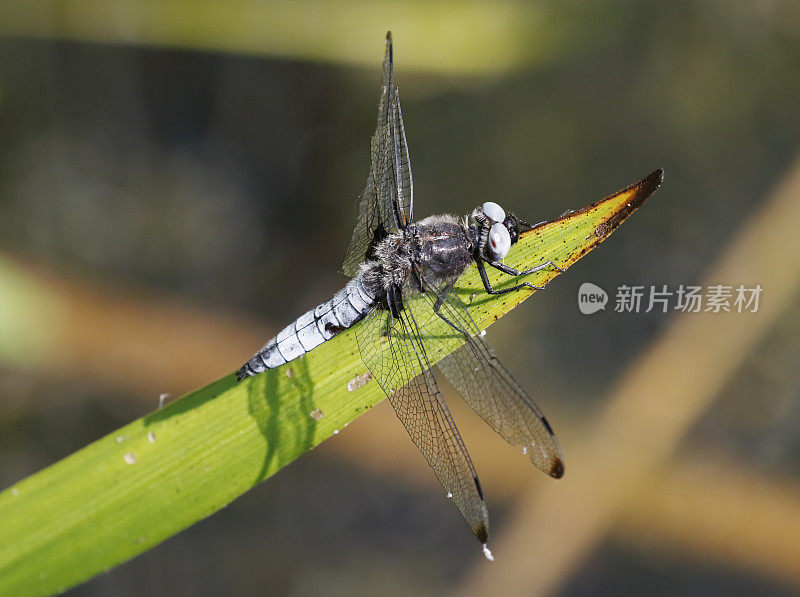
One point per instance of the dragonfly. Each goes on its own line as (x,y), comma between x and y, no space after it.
(401,296)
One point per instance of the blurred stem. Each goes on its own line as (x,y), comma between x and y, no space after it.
(719,512)
(432,37)
(29,316)
(120,337)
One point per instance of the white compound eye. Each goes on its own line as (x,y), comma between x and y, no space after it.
(493,211)
(499,242)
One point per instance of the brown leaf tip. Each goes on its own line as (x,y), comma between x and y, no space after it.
(649,185)
(642,190)
(637,193)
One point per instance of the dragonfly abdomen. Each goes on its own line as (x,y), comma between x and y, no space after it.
(345,309)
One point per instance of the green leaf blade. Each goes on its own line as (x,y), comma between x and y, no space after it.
(147,481)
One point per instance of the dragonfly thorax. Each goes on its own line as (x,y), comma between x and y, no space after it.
(392,263)
(439,248)
(444,248)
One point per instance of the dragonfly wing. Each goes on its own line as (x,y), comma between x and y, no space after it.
(393,351)
(387,203)
(493,393)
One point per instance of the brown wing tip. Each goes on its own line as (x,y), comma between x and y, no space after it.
(482,533)
(388,37)
(557,469)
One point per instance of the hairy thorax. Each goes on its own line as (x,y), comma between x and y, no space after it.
(438,244)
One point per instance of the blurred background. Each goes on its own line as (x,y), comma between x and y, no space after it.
(178,181)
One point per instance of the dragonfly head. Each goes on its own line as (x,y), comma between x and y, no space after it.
(515,226)
(500,230)
(495,236)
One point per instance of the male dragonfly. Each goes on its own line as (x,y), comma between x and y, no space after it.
(403,274)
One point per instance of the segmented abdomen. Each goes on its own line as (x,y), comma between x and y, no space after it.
(347,307)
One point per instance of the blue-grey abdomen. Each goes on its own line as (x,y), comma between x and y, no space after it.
(346,308)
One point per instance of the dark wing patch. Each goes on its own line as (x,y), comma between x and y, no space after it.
(393,351)
(491,391)
(387,202)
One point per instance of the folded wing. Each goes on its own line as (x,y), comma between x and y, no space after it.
(386,205)
(491,391)
(393,350)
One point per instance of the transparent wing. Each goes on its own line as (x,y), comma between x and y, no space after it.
(393,350)
(387,202)
(491,391)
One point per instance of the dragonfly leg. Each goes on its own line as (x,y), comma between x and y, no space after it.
(437,306)
(488,285)
(395,300)
(514,272)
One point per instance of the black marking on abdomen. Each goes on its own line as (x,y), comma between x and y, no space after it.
(333,328)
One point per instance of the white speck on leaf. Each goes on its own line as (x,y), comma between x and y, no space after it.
(151,437)
(290,372)
(119,439)
(317,414)
(359,381)
(14,491)
(130,458)
(336,432)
